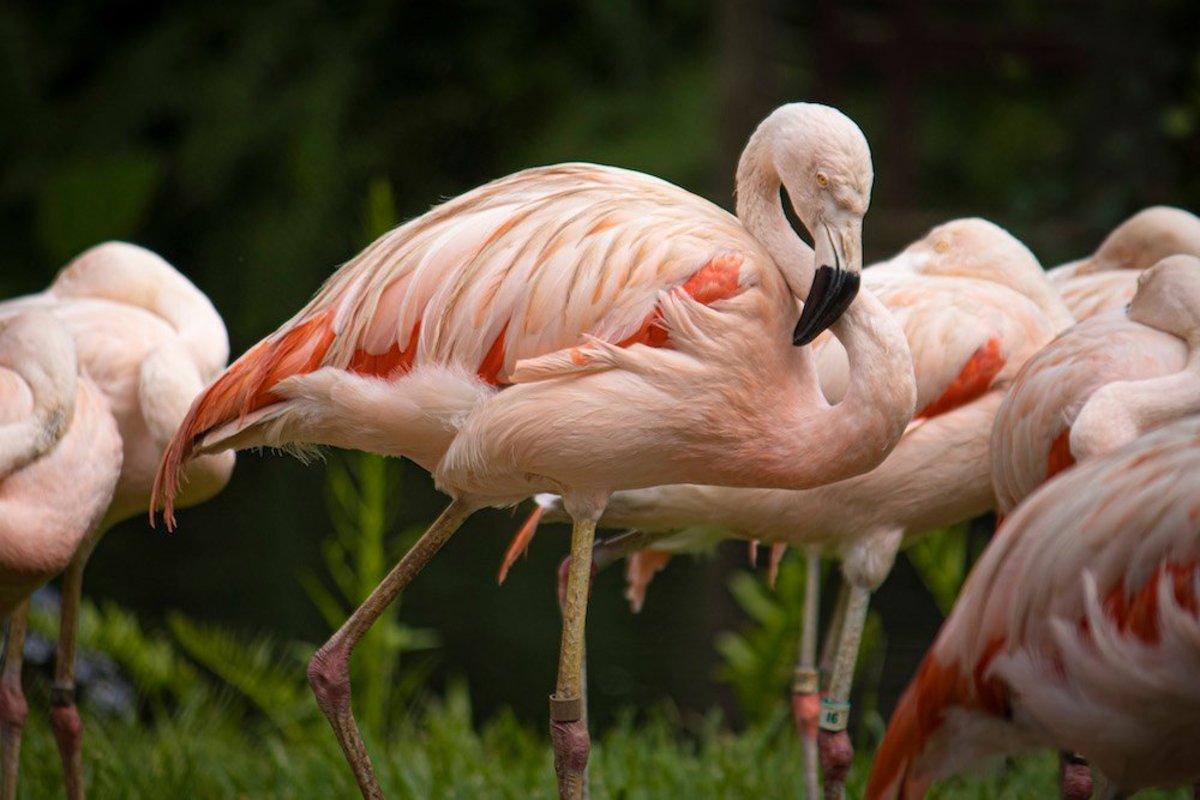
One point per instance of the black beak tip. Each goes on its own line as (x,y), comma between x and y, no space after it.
(832,292)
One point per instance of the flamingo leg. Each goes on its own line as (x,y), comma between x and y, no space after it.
(806,679)
(64,714)
(836,750)
(1074,776)
(13,709)
(329,670)
(568,728)
(833,634)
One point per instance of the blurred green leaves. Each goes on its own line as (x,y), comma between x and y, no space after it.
(86,201)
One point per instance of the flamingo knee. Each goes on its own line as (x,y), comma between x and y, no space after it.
(13,708)
(329,677)
(836,756)
(572,745)
(68,730)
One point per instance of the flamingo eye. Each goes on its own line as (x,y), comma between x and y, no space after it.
(941,246)
(822,179)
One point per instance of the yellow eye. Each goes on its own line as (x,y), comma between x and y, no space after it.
(822,179)
(941,246)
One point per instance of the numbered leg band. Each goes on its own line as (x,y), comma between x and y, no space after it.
(835,715)
(565,709)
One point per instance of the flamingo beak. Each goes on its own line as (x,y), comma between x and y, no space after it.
(833,287)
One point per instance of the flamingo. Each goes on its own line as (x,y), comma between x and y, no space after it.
(1102,383)
(1078,628)
(1108,278)
(582,329)
(150,341)
(974,304)
(1098,386)
(60,458)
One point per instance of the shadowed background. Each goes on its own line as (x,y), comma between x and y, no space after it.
(243,142)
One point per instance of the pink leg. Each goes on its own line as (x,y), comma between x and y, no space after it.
(64,716)
(1074,776)
(329,670)
(806,704)
(568,724)
(13,709)
(836,751)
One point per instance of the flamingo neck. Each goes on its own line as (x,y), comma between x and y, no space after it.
(1120,412)
(881,396)
(760,210)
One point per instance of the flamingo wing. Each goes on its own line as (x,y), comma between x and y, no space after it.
(516,280)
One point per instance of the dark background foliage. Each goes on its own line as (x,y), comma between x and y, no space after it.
(240,142)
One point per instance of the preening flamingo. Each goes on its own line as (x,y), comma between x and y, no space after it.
(1078,628)
(1108,278)
(582,329)
(974,304)
(60,457)
(1102,383)
(150,341)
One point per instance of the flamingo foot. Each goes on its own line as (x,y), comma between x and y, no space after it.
(572,746)
(1074,777)
(836,756)
(68,732)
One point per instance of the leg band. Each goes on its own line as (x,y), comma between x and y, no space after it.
(835,715)
(565,709)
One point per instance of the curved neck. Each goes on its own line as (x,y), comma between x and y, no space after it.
(760,210)
(1120,412)
(882,394)
(46,365)
(817,443)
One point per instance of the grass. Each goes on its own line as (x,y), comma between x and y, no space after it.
(202,753)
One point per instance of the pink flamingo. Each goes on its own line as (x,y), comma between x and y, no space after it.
(1079,628)
(60,457)
(1108,278)
(1102,383)
(974,304)
(150,341)
(583,329)
(1096,387)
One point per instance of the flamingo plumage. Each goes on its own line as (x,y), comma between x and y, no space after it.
(60,459)
(1102,382)
(1079,628)
(974,305)
(1108,278)
(149,340)
(582,329)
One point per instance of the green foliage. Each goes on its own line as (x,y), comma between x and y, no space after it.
(439,756)
(940,558)
(758,660)
(88,201)
(272,683)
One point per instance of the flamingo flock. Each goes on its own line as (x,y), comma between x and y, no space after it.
(636,357)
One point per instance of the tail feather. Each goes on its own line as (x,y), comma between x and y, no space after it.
(520,542)
(922,710)
(246,386)
(892,774)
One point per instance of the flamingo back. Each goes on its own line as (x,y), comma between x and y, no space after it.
(1030,434)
